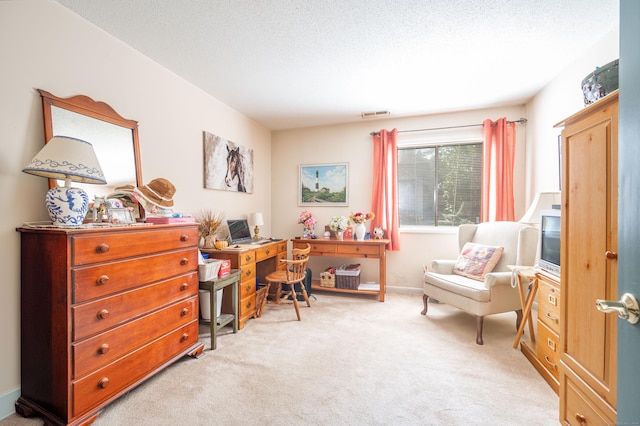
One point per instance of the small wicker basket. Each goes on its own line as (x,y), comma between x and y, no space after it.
(348,276)
(327,279)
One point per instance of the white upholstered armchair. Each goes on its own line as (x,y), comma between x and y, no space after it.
(471,288)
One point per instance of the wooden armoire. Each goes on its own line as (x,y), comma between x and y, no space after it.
(589,244)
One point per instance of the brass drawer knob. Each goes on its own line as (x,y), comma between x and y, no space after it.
(184,337)
(102,279)
(184,261)
(184,237)
(103,314)
(104,348)
(184,286)
(103,383)
(184,312)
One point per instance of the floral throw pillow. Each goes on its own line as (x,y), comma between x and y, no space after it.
(477,260)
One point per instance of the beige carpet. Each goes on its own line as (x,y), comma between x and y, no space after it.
(350,361)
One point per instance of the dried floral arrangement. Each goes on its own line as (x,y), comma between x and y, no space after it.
(209,223)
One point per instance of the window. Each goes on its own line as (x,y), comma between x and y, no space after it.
(440,184)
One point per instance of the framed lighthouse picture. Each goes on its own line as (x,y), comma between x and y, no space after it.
(323,185)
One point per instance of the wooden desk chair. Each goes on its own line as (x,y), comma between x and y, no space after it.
(292,274)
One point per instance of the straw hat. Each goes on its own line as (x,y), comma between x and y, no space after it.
(158,192)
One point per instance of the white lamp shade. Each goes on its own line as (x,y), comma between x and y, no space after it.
(64,157)
(256,219)
(542,201)
(72,160)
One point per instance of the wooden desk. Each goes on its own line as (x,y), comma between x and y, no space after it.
(370,249)
(213,286)
(255,262)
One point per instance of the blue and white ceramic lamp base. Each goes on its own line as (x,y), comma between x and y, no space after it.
(67,206)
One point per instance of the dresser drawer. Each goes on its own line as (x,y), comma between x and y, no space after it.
(108,381)
(279,258)
(358,250)
(583,408)
(246,258)
(265,252)
(99,315)
(92,248)
(247,306)
(98,351)
(247,288)
(549,305)
(248,275)
(282,247)
(548,349)
(101,280)
(317,249)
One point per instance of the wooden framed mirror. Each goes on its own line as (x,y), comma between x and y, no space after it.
(114,139)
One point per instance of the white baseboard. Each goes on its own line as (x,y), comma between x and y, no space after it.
(7,403)
(404,290)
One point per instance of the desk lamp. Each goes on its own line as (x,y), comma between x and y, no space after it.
(257,221)
(70,159)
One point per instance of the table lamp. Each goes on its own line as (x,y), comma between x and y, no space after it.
(257,220)
(542,201)
(70,159)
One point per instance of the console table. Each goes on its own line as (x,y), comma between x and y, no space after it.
(370,249)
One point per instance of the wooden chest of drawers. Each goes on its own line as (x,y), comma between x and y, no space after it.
(548,347)
(544,350)
(102,311)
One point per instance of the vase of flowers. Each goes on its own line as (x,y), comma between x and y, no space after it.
(360,219)
(338,225)
(308,223)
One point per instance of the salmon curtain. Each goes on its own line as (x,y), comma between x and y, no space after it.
(384,200)
(497,170)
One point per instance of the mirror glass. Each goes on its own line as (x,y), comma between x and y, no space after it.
(111,143)
(114,139)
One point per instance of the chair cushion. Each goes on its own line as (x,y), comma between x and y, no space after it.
(477,260)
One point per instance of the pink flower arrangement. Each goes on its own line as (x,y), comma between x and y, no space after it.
(361,217)
(306,218)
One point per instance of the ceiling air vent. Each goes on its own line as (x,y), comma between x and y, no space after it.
(374,114)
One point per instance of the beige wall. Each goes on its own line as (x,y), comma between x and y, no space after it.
(45,46)
(557,101)
(352,143)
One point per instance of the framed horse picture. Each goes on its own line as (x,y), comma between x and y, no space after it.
(323,185)
(227,165)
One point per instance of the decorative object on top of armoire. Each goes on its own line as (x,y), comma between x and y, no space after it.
(589,269)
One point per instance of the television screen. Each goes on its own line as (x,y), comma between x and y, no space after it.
(550,242)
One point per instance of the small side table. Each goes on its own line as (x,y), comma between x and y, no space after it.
(213,286)
(528,274)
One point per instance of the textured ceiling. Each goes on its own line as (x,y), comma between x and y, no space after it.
(300,63)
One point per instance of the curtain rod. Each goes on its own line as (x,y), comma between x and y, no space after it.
(521,121)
